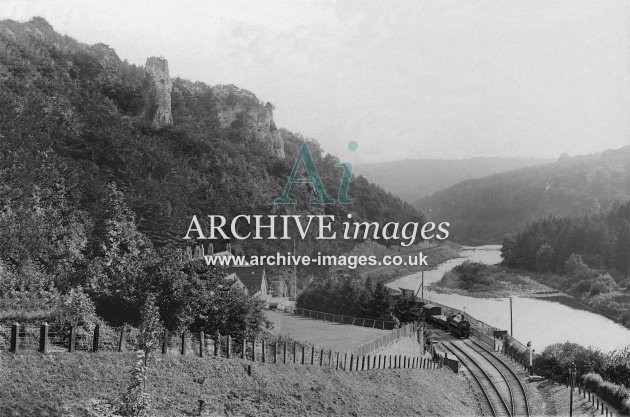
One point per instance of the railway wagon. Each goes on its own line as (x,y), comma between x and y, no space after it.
(431,310)
(458,326)
(440,321)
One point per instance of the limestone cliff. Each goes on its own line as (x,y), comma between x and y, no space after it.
(157,89)
(238,106)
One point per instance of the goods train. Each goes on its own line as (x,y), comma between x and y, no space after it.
(456,324)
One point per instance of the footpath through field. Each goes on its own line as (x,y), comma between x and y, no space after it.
(340,337)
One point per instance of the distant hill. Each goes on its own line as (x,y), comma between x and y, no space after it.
(412,179)
(484,210)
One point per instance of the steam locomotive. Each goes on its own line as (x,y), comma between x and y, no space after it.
(455,324)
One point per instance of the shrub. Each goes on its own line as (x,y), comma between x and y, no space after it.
(616,395)
(77,310)
(151,326)
(135,402)
(612,394)
(592,381)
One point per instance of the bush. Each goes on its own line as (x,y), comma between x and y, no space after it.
(616,395)
(613,394)
(592,381)
(77,310)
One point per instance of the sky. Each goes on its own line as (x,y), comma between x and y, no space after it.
(404,79)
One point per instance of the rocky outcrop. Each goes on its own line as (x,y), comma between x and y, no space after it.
(241,108)
(157,90)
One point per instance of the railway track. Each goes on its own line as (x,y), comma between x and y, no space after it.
(518,395)
(499,384)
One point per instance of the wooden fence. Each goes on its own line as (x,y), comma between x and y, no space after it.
(271,351)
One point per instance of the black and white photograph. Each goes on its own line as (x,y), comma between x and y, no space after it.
(314,208)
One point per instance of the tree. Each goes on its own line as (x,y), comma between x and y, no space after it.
(119,255)
(77,310)
(544,257)
(191,296)
(379,303)
(150,327)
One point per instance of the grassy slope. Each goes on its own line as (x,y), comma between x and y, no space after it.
(339,337)
(65,384)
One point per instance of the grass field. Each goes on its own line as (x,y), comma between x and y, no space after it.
(76,384)
(339,337)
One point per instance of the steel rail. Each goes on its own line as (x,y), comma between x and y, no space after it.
(524,403)
(484,374)
(485,394)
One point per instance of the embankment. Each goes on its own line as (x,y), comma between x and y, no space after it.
(72,384)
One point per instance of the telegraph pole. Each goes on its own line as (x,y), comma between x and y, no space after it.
(511,322)
(423,284)
(572,373)
(421,288)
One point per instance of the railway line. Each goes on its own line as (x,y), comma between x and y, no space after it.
(501,387)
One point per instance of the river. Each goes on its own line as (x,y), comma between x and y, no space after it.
(534,319)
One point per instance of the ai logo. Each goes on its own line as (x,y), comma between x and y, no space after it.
(316,182)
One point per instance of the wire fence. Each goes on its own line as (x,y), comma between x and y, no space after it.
(407,330)
(341,319)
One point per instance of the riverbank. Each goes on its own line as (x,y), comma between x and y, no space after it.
(498,281)
(479,280)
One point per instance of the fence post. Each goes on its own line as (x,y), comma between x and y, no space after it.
(285,352)
(374,362)
(368,362)
(312,354)
(217,345)
(15,335)
(337,363)
(294,352)
(263,351)
(121,339)
(303,354)
(345,361)
(351,360)
(330,358)
(97,334)
(362,363)
(379,361)
(165,342)
(73,335)
(184,343)
(254,350)
(43,338)
(202,339)
(229,346)
(275,352)
(321,357)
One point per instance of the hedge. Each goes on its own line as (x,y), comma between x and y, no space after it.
(616,395)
